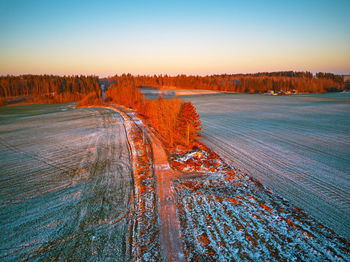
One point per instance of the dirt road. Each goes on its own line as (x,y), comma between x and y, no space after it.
(170,242)
(169,231)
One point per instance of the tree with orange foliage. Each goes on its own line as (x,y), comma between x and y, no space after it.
(125,93)
(188,124)
(91,99)
(162,114)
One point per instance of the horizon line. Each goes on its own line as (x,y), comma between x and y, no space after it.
(172,75)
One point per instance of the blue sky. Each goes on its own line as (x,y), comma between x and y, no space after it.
(171,37)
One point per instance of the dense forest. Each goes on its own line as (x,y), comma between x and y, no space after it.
(299,82)
(47,88)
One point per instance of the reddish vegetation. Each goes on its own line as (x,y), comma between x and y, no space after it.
(177,122)
(290,223)
(203,239)
(187,124)
(227,216)
(41,89)
(93,98)
(145,242)
(162,114)
(233,201)
(197,158)
(266,207)
(125,93)
(55,89)
(302,82)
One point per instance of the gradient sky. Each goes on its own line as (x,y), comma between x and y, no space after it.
(170,37)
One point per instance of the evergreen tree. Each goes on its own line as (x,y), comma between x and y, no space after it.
(188,124)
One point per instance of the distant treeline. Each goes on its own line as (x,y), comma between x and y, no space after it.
(48,88)
(56,89)
(302,82)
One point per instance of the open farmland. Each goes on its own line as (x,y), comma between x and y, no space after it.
(66,188)
(298,146)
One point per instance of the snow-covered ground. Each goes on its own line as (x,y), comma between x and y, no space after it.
(66,190)
(164,92)
(227,215)
(298,146)
(146,228)
(66,186)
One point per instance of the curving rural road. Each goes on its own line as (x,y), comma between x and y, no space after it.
(170,237)
(169,231)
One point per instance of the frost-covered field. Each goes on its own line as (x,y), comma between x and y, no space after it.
(298,146)
(66,188)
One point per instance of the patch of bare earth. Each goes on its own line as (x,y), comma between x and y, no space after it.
(226,215)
